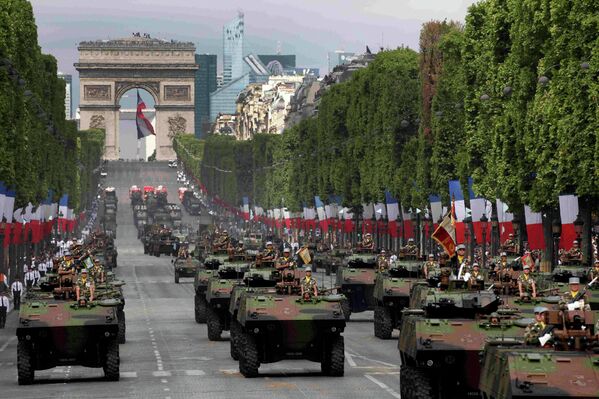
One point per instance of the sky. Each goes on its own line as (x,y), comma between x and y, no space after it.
(307,28)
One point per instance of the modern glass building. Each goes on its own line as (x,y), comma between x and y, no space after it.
(223,100)
(277,64)
(68,102)
(233,49)
(205,83)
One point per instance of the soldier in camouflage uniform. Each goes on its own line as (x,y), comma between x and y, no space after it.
(594,272)
(84,287)
(527,285)
(97,272)
(431,268)
(309,284)
(573,294)
(536,329)
(476,279)
(285,261)
(410,249)
(367,242)
(382,262)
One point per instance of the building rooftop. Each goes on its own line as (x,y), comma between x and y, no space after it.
(136,42)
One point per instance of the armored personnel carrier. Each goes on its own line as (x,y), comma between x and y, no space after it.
(55,333)
(218,294)
(565,366)
(192,204)
(111,292)
(392,294)
(185,267)
(570,268)
(356,279)
(207,269)
(331,260)
(442,335)
(289,325)
(135,196)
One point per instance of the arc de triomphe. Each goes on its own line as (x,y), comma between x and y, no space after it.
(109,68)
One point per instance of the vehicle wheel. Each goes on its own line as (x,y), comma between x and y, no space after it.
(24,364)
(346,307)
(334,360)
(122,327)
(248,361)
(112,366)
(383,323)
(213,323)
(200,309)
(234,332)
(415,384)
(176,278)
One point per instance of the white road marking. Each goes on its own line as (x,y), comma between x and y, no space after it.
(161,373)
(350,359)
(128,374)
(6,343)
(384,386)
(194,372)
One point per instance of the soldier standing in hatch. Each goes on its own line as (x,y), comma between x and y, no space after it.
(430,268)
(309,284)
(594,272)
(411,249)
(573,294)
(527,285)
(84,286)
(536,329)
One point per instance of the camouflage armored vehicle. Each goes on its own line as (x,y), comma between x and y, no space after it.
(162,242)
(192,204)
(140,212)
(111,292)
(442,335)
(289,325)
(135,196)
(392,294)
(570,268)
(207,269)
(566,366)
(331,260)
(356,279)
(56,333)
(255,282)
(185,267)
(218,294)
(174,212)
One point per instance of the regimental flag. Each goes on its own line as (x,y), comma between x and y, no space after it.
(144,127)
(527,260)
(304,253)
(445,235)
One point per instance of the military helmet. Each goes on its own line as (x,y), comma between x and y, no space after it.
(308,268)
(503,254)
(574,280)
(84,270)
(475,264)
(494,314)
(596,262)
(431,256)
(540,309)
(268,243)
(286,249)
(461,246)
(526,267)
(410,240)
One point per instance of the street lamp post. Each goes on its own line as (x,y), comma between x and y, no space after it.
(556,231)
(468,237)
(484,222)
(494,234)
(428,220)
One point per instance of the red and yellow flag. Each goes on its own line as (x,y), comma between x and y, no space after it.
(445,234)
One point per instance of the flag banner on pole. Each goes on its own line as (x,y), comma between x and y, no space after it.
(392,214)
(9,203)
(408,229)
(459,208)
(436,208)
(568,210)
(63,211)
(505,221)
(304,253)
(534,228)
(246,208)
(17,237)
(445,235)
(2,199)
(144,127)
(479,208)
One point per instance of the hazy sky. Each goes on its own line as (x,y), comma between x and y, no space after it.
(307,28)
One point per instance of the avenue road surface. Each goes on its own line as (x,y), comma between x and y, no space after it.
(168,355)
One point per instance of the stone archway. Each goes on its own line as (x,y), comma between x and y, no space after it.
(166,70)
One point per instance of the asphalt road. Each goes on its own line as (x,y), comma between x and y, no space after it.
(168,355)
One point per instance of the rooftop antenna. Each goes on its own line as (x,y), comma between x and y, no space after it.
(279,47)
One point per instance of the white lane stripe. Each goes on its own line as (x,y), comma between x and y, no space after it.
(350,359)
(194,372)
(383,386)
(128,374)
(161,373)
(6,343)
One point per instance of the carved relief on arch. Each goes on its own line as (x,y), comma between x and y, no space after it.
(97,122)
(176,125)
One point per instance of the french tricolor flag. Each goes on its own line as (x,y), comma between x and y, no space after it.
(392,214)
(63,212)
(367,214)
(505,221)
(144,127)
(9,205)
(480,207)
(455,193)
(408,230)
(568,209)
(534,228)
(246,208)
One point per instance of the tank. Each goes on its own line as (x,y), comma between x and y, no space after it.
(356,280)
(57,333)
(566,366)
(286,325)
(185,268)
(111,292)
(442,334)
(392,294)
(218,294)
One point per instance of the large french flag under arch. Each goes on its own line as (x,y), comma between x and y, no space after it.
(144,127)
(456,195)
